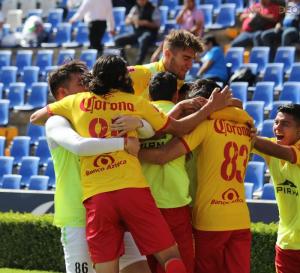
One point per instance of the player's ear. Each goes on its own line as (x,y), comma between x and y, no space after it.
(61,93)
(167,52)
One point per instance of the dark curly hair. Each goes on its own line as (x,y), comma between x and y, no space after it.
(109,72)
(292,109)
(163,86)
(203,88)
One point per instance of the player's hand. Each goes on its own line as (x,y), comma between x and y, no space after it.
(220,99)
(253,130)
(132,146)
(124,124)
(113,32)
(192,105)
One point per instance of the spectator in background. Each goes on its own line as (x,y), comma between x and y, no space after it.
(213,62)
(189,18)
(128,4)
(70,4)
(258,17)
(1,25)
(33,33)
(145,19)
(99,16)
(285,33)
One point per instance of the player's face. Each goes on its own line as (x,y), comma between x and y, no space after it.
(181,62)
(286,129)
(74,85)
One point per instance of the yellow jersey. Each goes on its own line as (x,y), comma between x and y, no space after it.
(223,154)
(285,177)
(91,116)
(141,75)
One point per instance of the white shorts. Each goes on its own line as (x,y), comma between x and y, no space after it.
(75,247)
(76,254)
(132,253)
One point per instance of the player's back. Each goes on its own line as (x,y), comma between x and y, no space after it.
(91,116)
(223,149)
(222,161)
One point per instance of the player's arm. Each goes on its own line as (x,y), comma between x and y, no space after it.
(170,151)
(188,106)
(59,132)
(217,100)
(237,103)
(40,116)
(270,148)
(125,124)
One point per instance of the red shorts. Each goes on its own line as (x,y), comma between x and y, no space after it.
(109,214)
(222,251)
(287,260)
(179,221)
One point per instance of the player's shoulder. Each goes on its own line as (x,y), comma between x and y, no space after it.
(297,145)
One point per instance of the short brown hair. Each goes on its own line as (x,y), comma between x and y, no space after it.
(60,77)
(182,39)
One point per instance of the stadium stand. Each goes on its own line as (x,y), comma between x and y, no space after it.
(239,90)
(2,145)
(268,192)
(249,190)
(29,166)
(234,58)
(34,132)
(20,147)
(38,182)
(4,112)
(264,92)
(50,173)
(11,181)
(255,174)
(6,166)
(42,151)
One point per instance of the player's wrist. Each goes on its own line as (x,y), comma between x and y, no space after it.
(141,124)
(125,143)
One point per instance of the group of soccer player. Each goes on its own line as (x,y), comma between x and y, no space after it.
(193,156)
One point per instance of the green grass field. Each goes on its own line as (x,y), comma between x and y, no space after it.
(12,270)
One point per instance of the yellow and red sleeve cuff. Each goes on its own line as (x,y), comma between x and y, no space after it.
(186,146)
(294,155)
(165,125)
(50,113)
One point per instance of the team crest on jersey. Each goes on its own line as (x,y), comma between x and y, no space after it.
(229,196)
(103,163)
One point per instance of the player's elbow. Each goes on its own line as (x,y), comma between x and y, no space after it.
(34,118)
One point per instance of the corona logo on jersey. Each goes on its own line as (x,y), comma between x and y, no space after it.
(103,163)
(287,187)
(226,127)
(229,196)
(92,103)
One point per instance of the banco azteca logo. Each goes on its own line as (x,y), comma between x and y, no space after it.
(287,187)
(230,196)
(103,160)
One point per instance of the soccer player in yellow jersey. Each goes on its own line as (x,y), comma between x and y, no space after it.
(115,193)
(179,51)
(282,155)
(220,214)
